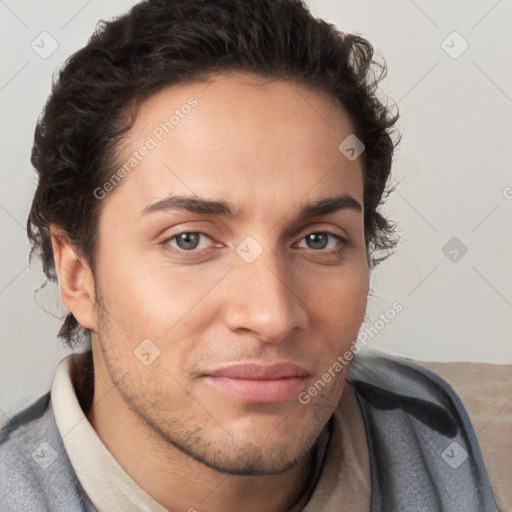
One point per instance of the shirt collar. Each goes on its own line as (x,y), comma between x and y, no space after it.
(106,483)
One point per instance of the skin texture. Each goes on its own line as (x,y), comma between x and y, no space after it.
(268,147)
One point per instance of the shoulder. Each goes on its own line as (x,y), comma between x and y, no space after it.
(486,392)
(35,472)
(11,429)
(22,434)
(420,436)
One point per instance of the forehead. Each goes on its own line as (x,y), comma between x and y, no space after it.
(238,135)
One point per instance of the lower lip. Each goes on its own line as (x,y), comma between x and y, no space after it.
(271,390)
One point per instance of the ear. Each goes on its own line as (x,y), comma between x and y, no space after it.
(76,282)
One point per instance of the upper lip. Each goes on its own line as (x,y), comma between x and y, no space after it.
(260,371)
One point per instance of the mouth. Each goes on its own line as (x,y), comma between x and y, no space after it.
(259,382)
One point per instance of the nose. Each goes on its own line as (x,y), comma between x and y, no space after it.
(264,298)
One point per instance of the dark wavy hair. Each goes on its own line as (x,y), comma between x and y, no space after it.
(158,43)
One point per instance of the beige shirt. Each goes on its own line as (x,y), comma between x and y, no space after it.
(345,476)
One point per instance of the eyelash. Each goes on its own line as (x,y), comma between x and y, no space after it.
(194,252)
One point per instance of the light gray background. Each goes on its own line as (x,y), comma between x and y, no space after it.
(452,168)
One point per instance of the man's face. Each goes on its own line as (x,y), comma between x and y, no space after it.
(243,311)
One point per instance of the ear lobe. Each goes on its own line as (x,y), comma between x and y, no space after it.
(75,278)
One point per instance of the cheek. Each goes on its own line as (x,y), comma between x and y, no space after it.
(146,297)
(130,298)
(341,296)
(339,304)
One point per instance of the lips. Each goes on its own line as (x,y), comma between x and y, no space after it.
(259,382)
(261,371)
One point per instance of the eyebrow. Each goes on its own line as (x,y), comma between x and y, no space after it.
(227,209)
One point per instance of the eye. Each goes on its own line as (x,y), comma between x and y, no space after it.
(320,239)
(187,241)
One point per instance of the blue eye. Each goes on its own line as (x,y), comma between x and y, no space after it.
(319,240)
(187,241)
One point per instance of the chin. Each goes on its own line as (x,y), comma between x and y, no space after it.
(254,460)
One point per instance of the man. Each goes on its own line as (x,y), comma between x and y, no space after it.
(209,181)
